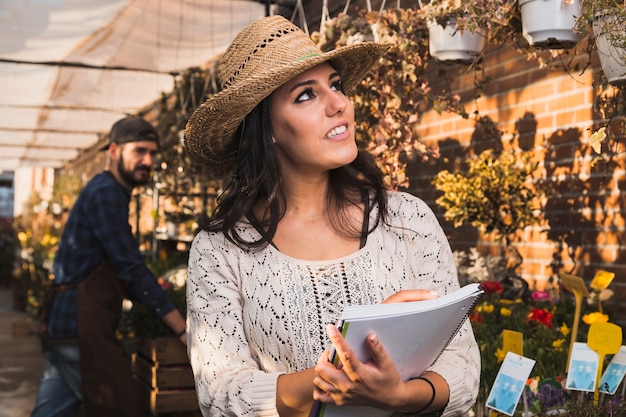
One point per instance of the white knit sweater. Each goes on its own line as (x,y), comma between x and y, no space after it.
(253,315)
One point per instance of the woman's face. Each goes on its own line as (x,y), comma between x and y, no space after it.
(313,122)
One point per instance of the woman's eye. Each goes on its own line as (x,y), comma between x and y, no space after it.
(305,95)
(337,85)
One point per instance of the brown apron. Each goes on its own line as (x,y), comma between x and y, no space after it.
(106,378)
(107,381)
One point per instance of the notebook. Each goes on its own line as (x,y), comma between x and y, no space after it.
(414,334)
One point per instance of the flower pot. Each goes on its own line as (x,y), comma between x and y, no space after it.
(612,58)
(453,46)
(172,229)
(549,23)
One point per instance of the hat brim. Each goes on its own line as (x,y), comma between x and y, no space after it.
(209,136)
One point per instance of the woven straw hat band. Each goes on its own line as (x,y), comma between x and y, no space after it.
(265,45)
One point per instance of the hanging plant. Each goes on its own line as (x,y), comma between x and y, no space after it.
(609,29)
(448,44)
(550,24)
(604,22)
(459,30)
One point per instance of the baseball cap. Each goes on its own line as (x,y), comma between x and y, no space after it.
(132,129)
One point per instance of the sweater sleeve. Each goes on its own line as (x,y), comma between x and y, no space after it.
(228,380)
(434,267)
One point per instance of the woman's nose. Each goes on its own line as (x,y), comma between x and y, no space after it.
(337,103)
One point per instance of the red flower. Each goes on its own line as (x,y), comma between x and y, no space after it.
(475,318)
(491,287)
(539,316)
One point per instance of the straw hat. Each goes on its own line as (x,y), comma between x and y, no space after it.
(262,57)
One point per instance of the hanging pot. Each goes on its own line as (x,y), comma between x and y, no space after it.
(451,45)
(549,24)
(612,58)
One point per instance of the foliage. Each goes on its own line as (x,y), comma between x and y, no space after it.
(65,192)
(494,195)
(548,397)
(38,230)
(193,186)
(544,338)
(9,252)
(544,319)
(609,102)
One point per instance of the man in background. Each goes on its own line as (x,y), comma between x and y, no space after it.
(98,264)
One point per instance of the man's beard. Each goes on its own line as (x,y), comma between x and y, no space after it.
(129,176)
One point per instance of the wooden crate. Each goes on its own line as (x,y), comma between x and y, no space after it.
(165,350)
(164,377)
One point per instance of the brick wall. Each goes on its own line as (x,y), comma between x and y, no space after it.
(548,111)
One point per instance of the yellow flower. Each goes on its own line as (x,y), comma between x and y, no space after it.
(506,301)
(564,329)
(500,355)
(505,312)
(558,344)
(596,317)
(486,308)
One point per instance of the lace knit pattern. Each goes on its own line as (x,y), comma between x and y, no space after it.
(253,315)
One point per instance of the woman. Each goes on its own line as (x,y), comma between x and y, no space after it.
(305,229)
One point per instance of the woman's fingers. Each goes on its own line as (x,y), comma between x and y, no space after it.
(404,296)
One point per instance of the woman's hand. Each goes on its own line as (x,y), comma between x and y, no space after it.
(374,383)
(411,295)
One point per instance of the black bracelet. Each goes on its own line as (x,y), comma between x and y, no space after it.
(182,332)
(431,398)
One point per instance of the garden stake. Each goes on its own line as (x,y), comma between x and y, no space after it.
(604,339)
(575,285)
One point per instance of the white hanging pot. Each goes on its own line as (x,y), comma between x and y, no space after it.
(451,45)
(612,58)
(549,24)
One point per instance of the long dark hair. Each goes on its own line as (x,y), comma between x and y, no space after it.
(257,179)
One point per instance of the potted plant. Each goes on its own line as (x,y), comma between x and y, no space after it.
(458,30)
(550,24)
(605,22)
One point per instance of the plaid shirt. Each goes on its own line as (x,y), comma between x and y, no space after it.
(98,229)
